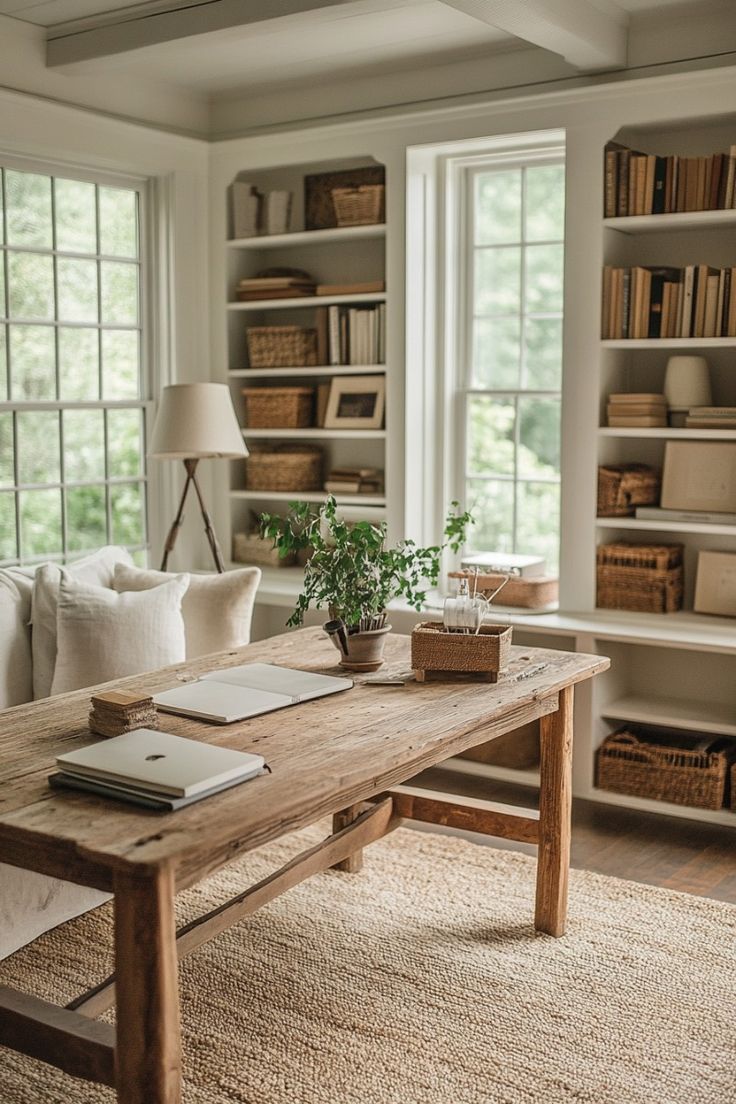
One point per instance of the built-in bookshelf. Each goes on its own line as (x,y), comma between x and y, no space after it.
(334,255)
(672,673)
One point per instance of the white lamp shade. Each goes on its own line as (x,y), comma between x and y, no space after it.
(195,421)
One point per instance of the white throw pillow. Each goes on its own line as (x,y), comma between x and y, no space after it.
(103,635)
(217,609)
(16,669)
(97,569)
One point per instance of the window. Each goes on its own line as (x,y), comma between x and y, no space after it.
(509,366)
(73,393)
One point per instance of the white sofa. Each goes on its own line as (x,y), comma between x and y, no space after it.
(32,903)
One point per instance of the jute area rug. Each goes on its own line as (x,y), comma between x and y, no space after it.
(421,981)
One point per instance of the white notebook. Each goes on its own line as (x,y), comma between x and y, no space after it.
(160,763)
(238,693)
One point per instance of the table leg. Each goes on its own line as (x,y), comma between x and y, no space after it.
(148,1043)
(353,864)
(555,805)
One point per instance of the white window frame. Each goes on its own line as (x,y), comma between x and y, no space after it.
(465,171)
(145,327)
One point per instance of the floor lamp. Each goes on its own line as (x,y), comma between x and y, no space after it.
(196,421)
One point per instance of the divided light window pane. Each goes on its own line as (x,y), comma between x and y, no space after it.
(513,372)
(72,477)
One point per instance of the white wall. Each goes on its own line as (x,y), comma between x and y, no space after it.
(177,168)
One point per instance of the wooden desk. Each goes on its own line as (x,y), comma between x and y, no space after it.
(345,755)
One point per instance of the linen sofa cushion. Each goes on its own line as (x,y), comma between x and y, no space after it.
(16,669)
(97,569)
(103,635)
(217,609)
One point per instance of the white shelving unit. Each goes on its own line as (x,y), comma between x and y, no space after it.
(671,670)
(303,302)
(334,255)
(307,373)
(315,434)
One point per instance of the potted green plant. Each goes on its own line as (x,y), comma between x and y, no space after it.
(354,575)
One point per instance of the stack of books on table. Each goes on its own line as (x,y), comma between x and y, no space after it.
(637,409)
(644,184)
(155,769)
(711,417)
(651,302)
(275,287)
(343,481)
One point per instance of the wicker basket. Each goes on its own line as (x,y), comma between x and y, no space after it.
(281,347)
(486,653)
(290,468)
(666,765)
(361,206)
(252,548)
(623,487)
(646,578)
(534,592)
(279,407)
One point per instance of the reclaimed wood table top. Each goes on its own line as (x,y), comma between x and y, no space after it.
(325,755)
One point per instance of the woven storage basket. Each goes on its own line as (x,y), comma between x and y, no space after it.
(290,468)
(666,766)
(361,206)
(623,487)
(534,592)
(281,347)
(485,653)
(647,578)
(279,407)
(252,548)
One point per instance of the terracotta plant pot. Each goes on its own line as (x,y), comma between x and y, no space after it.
(365,649)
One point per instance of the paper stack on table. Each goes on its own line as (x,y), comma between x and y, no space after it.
(119,711)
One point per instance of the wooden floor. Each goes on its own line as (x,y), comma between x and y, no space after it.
(644,847)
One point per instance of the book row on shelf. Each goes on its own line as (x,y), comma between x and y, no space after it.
(637,183)
(351,335)
(665,302)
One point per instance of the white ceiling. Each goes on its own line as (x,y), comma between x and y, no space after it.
(48,13)
(309,47)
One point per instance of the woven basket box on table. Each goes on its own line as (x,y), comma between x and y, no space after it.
(279,407)
(623,487)
(646,578)
(281,347)
(667,765)
(289,468)
(485,653)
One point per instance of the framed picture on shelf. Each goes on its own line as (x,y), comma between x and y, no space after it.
(356,402)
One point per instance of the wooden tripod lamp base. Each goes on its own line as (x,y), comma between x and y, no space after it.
(191,467)
(196,421)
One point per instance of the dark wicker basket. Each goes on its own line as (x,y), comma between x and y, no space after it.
(281,347)
(646,578)
(279,407)
(667,765)
(290,468)
(623,487)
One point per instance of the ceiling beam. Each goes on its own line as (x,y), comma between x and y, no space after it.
(155,23)
(589,34)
